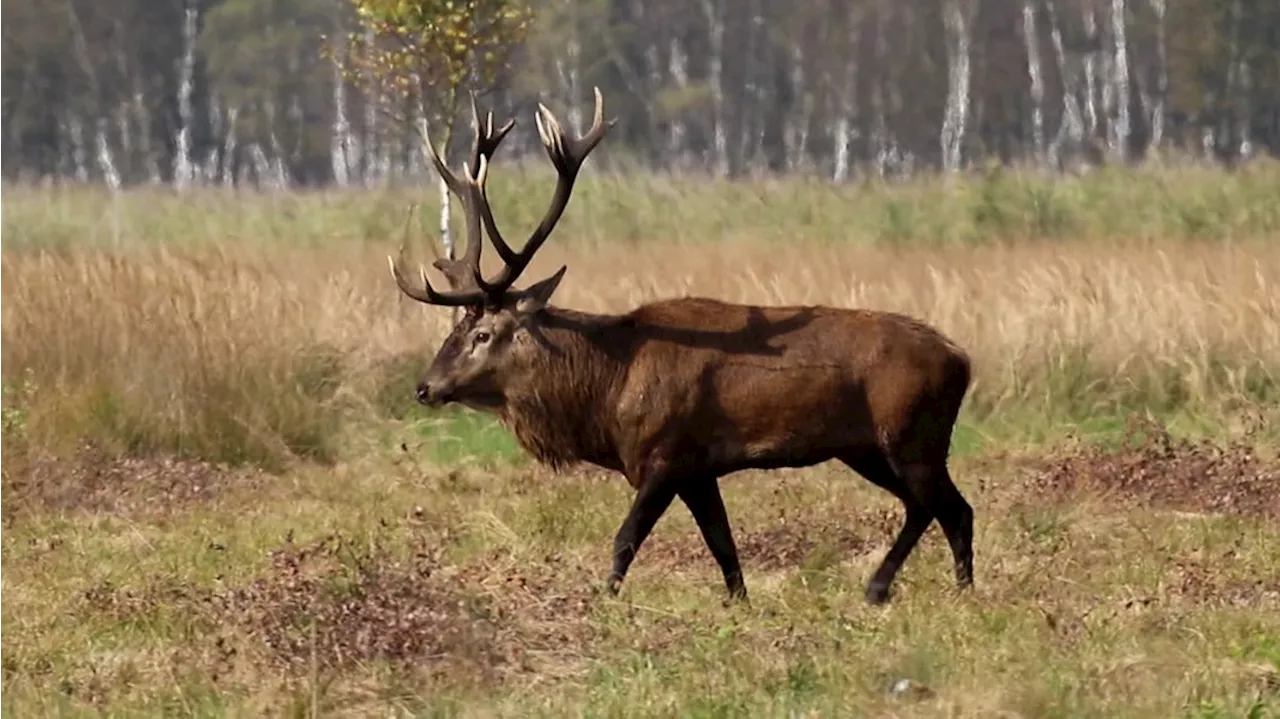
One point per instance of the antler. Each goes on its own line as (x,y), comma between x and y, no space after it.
(567,154)
(461,272)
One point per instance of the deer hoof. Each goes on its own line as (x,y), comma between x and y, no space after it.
(737,595)
(877,594)
(612,587)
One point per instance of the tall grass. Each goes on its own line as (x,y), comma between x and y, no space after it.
(256,328)
(1183,203)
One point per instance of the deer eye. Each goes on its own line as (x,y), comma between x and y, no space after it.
(482,337)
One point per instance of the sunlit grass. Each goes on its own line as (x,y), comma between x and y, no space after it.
(263,331)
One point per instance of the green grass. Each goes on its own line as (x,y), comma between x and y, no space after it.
(1115,204)
(1082,607)
(456,436)
(405,562)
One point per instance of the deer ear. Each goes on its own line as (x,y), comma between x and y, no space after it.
(536,296)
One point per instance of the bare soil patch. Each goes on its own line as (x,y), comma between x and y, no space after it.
(339,602)
(1204,581)
(788,541)
(1156,470)
(94,480)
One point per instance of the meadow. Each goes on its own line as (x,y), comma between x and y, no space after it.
(220,499)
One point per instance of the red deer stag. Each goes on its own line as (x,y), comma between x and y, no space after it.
(680,392)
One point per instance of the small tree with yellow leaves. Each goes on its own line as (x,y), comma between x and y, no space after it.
(417,59)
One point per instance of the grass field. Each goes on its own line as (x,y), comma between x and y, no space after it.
(220,499)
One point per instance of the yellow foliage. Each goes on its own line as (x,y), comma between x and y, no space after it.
(408,48)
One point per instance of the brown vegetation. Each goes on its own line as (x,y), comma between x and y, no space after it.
(275,351)
(1154,469)
(94,480)
(340,601)
(360,611)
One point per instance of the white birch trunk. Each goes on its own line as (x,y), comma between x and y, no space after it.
(209,168)
(1162,76)
(715,79)
(183,170)
(1071,127)
(79,155)
(678,67)
(1091,74)
(442,187)
(1031,38)
(957,108)
(229,149)
(369,145)
(797,134)
(841,132)
(123,126)
(880,141)
(279,171)
(751,110)
(1244,149)
(1119,136)
(142,117)
(1239,84)
(106,158)
(568,71)
(124,130)
(261,165)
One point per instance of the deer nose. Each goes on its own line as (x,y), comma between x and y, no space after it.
(424,393)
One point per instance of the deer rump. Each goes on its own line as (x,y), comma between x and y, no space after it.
(679,392)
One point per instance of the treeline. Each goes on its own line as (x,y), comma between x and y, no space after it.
(239,91)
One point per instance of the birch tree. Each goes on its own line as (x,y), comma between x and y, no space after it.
(1118,139)
(956,25)
(416,59)
(1036,76)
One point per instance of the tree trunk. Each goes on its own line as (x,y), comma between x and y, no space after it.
(1156,111)
(1031,39)
(953,124)
(1119,135)
(183,170)
(715,79)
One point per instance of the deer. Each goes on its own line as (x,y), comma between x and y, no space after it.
(679,392)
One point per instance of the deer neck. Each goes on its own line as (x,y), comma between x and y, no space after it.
(565,416)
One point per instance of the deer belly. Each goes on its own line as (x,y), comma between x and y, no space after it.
(805,424)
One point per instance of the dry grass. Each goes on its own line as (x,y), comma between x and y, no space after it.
(247,357)
(176,337)
(382,587)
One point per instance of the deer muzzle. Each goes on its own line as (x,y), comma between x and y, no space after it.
(432,395)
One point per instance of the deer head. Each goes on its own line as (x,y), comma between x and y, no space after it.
(491,345)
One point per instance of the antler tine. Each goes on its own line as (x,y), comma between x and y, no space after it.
(450,179)
(504,250)
(567,154)
(486,140)
(426,294)
(460,272)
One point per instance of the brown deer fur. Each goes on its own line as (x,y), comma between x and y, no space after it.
(679,392)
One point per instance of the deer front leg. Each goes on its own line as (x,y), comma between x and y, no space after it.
(702,497)
(654,496)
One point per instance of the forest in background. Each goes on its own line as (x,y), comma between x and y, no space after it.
(240,92)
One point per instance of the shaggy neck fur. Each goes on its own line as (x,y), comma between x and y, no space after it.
(565,416)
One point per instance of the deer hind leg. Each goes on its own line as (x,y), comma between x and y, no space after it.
(702,496)
(924,470)
(877,469)
(932,484)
